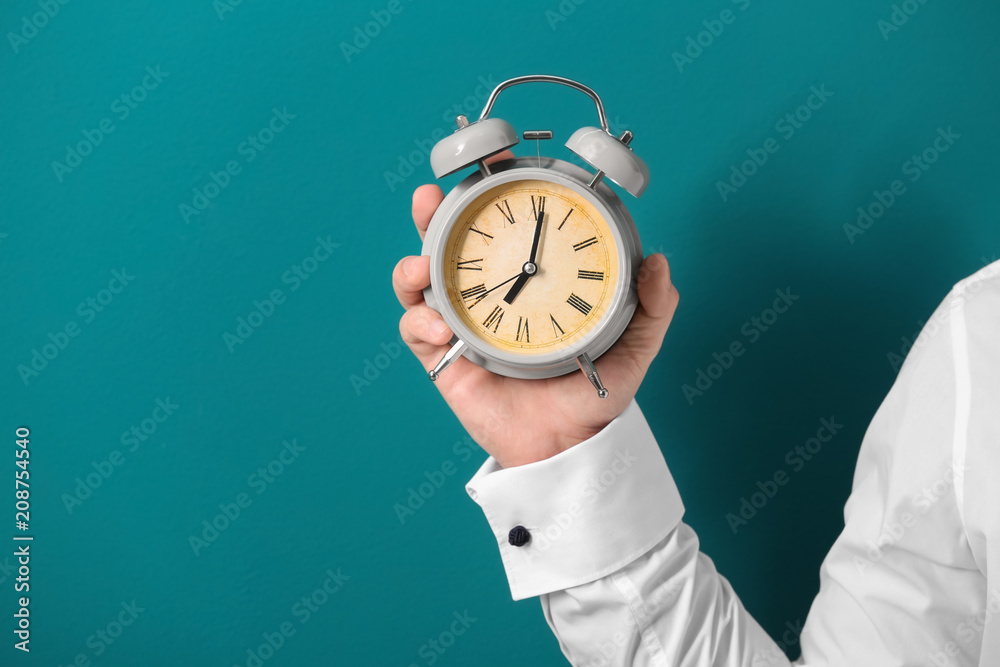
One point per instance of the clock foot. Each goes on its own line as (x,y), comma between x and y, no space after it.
(450,356)
(588,368)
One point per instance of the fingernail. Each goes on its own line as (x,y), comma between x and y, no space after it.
(438,328)
(408,265)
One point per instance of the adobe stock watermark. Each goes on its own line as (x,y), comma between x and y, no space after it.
(131,440)
(752,330)
(435,647)
(432,481)
(121,108)
(796,459)
(87,310)
(259,482)
(644,273)
(373,367)
(302,610)
(914,168)
(775,655)
(926,331)
(104,637)
(248,149)
(643,613)
(563,11)
(787,126)
(435,479)
(293,277)
(617,127)
(363,34)
(695,45)
(407,163)
(898,17)
(895,528)
(32,23)
(589,494)
(968,631)
(224,7)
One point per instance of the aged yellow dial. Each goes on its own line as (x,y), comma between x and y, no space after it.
(526,283)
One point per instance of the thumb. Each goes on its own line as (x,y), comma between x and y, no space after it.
(658,300)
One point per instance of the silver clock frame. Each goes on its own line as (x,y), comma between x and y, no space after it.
(623,302)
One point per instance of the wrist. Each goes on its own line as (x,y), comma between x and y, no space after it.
(570,504)
(546,446)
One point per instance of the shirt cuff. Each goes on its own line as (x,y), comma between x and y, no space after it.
(590,510)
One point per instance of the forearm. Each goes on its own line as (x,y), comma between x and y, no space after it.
(669,607)
(621,579)
(623,582)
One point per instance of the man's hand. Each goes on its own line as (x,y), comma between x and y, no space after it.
(523,421)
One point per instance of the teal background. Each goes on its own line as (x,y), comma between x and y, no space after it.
(357,118)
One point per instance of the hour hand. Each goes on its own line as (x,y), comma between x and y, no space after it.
(518,285)
(482,295)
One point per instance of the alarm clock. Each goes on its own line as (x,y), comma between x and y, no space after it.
(534,261)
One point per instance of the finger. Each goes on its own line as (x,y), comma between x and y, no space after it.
(658,299)
(428,197)
(427,336)
(409,278)
(657,295)
(425,332)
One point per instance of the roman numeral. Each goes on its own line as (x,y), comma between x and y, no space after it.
(473,292)
(493,319)
(463,264)
(590,275)
(564,221)
(555,327)
(486,237)
(527,336)
(579,304)
(508,215)
(541,205)
(585,244)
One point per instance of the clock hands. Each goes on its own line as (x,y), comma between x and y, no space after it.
(482,295)
(530,268)
(522,279)
(538,229)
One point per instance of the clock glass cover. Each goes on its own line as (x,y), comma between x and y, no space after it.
(575,261)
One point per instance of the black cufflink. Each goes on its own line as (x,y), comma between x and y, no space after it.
(519,536)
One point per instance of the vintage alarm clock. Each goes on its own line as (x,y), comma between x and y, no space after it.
(534,261)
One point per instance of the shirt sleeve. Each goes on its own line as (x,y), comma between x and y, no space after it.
(623,583)
(621,578)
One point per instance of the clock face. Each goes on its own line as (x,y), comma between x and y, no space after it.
(531,312)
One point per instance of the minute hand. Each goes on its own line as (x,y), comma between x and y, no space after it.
(538,231)
(526,273)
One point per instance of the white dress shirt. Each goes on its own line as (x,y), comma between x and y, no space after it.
(914,579)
